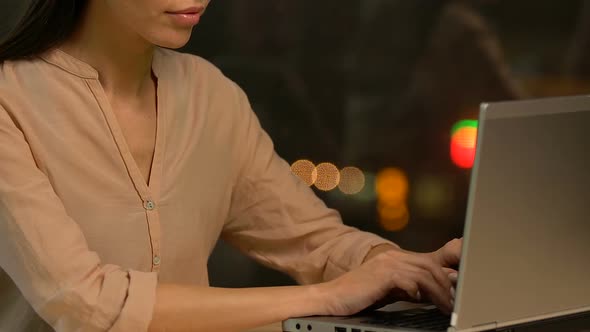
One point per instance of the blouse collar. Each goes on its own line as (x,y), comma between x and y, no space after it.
(82,69)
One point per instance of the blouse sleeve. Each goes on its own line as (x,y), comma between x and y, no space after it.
(278,220)
(46,255)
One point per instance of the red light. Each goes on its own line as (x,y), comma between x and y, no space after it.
(463,143)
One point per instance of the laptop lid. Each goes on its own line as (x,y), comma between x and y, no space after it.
(526,250)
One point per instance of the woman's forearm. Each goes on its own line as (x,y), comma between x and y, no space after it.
(198,308)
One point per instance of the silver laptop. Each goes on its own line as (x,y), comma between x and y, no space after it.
(526,250)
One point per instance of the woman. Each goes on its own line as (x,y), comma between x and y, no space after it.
(123,162)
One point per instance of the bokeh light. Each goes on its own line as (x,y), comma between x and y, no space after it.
(328,176)
(391,186)
(393,217)
(433,196)
(463,143)
(305,170)
(368,193)
(352,180)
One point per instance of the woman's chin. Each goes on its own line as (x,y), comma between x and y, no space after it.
(174,42)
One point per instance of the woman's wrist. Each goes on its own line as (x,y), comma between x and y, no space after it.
(378,250)
(318,299)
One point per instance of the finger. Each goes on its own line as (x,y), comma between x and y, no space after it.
(426,262)
(440,296)
(377,305)
(408,285)
(399,294)
(413,267)
(396,294)
(450,253)
(452,274)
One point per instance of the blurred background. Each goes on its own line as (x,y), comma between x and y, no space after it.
(375,102)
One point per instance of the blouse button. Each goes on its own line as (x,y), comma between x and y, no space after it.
(156,260)
(149,205)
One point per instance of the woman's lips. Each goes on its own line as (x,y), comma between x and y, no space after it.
(186,18)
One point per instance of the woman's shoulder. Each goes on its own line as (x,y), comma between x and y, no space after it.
(17,77)
(40,71)
(10,69)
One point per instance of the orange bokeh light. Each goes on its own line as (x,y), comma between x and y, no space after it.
(392,186)
(305,170)
(393,217)
(466,137)
(328,176)
(352,180)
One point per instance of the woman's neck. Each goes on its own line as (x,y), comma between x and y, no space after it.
(122,58)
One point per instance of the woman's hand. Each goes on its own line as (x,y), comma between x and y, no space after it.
(395,275)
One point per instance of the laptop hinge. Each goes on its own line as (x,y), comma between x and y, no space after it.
(486,326)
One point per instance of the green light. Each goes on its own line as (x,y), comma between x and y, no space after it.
(464,124)
(463,143)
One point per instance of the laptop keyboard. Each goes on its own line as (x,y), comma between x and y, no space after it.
(421,318)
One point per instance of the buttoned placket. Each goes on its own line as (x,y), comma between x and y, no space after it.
(148,195)
(153,220)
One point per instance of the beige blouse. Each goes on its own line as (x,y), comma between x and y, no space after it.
(84,240)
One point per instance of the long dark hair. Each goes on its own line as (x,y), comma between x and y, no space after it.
(45,24)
